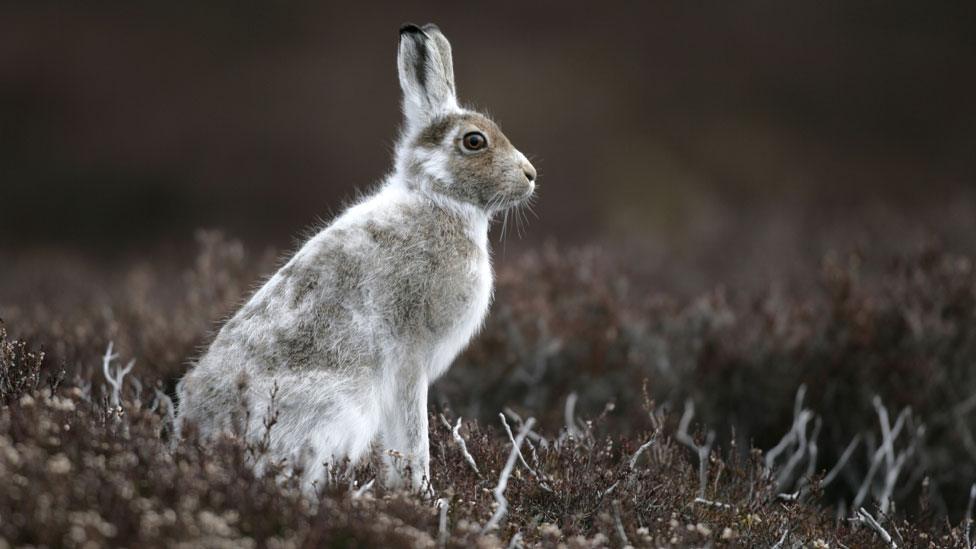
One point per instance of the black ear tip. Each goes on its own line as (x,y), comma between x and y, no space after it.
(410,28)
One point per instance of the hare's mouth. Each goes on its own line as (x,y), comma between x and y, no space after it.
(526,194)
(518,198)
(511,198)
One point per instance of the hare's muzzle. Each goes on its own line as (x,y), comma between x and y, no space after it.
(528,170)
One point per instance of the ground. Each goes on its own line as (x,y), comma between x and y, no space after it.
(850,389)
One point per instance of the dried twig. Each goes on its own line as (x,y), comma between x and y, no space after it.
(791,435)
(456,433)
(813,451)
(499,491)
(887,440)
(862,492)
(115,378)
(969,515)
(533,436)
(885,455)
(785,473)
(137,385)
(645,446)
(442,533)
(609,490)
(782,540)
(542,482)
(844,457)
(363,489)
(703,451)
(624,542)
(865,517)
(891,476)
(791,497)
(569,413)
(801,446)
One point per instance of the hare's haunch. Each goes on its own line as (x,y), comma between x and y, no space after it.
(358,323)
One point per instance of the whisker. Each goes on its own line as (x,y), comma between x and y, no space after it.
(518,220)
(525,218)
(493,203)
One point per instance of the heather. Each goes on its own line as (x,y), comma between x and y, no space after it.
(768,415)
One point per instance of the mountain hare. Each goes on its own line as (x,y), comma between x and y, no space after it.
(354,328)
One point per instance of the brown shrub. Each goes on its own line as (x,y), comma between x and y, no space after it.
(76,470)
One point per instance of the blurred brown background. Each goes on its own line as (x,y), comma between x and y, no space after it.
(741,131)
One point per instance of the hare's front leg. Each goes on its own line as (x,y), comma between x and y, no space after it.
(404,432)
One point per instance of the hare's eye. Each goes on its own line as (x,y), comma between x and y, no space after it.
(474,141)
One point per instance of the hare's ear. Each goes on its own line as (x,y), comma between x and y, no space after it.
(426,74)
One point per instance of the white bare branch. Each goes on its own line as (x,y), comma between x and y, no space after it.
(609,490)
(569,413)
(137,385)
(456,433)
(844,457)
(889,434)
(891,476)
(645,446)
(442,533)
(782,539)
(533,436)
(799,429)
(812,451)
(886,456)
(969,515)
(499,491)
(865,517)
(791,435)
(115,376)
(862,492)
(800,446)
(624,542)
(793,496)
(703,451)
(542,482)
(363,489)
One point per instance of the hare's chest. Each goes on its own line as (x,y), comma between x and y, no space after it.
(458,294)
(467,317)
(482,283)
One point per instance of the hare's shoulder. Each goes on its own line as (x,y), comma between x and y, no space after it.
(309,314)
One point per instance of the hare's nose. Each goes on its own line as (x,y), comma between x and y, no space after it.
(529,171)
